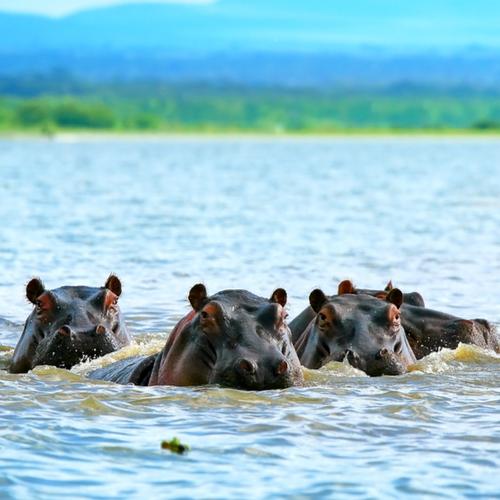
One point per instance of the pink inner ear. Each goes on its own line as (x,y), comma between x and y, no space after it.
(211,309)
(209,319)
(110,299)
(392,312)
(280,315)
(45,301)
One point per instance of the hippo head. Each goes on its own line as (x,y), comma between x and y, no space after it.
(236,339)
(70,324)
(363,329)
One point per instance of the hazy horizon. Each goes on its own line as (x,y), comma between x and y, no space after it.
(447,24)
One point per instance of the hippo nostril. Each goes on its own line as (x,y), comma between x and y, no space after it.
(247,366)
(64,330)
(100,330)
(398,347)
(383,353)
(282,367)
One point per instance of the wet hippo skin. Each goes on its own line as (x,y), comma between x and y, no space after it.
(70,324)
(360,328)
(233,338)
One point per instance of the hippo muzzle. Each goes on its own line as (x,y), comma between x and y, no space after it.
(70,324)
(66,347)
(249,374)
(384,362)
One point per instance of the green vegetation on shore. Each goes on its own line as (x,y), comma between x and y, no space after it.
(157,107)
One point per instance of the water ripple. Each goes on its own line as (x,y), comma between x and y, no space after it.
(255,214)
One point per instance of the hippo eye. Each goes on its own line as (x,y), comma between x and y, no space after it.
(396,317)
(322,317)
(204,314)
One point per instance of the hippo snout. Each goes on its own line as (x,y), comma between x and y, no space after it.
(265,374)
(67,331)
(246,367)
(389,363)
(384,362)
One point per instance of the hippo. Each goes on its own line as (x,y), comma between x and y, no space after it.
(70,324)
(358,327)
(426,330)
(429,331)
(299,324)
(232,338)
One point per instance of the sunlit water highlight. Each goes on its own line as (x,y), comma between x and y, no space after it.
(256,214)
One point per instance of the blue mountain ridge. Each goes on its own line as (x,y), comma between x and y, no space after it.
(285,42)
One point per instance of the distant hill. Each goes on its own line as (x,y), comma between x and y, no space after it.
(266,42)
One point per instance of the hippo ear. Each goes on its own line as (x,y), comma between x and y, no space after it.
(389,286)
(395,296)
(279,296)
(346,286)
(317,298)
(197,296)
(34,289)
(114,284)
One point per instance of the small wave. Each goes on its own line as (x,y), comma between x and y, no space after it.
(144,345)
(6,353)
(54,374)
(333,370)
(150,345)
(453,359)
(5,323)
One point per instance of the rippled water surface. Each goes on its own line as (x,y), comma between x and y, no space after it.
(255,214)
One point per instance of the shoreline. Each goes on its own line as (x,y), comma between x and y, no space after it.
(105,135)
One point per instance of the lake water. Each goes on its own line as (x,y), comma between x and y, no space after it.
(165,214)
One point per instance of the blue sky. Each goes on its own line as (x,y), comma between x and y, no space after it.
(446,23)
(63,7)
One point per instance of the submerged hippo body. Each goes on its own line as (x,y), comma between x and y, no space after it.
(233,338)
(362,329)
(411,298)
(429,331)
(70,324)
